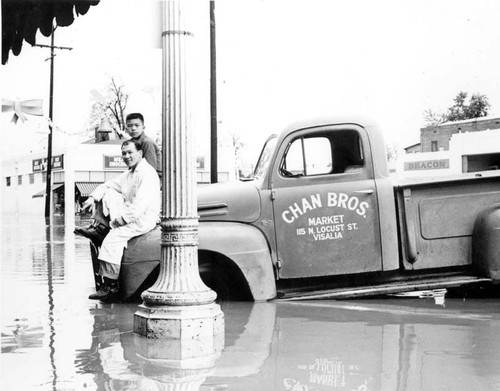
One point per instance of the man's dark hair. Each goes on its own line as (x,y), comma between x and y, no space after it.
(137,144)
(135,116)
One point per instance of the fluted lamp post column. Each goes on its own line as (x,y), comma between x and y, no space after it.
(179,305)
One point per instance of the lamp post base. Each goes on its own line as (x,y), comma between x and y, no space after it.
(195,323)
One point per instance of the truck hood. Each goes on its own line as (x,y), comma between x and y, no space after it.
(230,201)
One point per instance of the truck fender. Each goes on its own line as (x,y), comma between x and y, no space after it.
(486,242)
(247,248)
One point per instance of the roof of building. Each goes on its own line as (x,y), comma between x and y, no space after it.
(464,121)
(411,146)
(107,142)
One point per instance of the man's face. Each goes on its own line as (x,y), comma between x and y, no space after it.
(131,156)
(135,127)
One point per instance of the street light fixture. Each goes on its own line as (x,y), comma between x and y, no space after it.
(105,126)
(103,130)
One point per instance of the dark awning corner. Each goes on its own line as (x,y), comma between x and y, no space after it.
(21,19)
(41,193)
(85,188)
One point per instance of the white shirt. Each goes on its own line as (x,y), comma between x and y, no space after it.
(140,189)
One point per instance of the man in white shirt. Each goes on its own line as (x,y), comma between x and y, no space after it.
(131,203)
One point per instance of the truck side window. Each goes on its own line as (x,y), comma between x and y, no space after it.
(308,156)
(347,152)
(293,163)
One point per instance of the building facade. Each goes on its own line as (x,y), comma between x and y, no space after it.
(467,152)
(437,138)
(77,169)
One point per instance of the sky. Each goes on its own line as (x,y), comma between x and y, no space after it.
(278,61)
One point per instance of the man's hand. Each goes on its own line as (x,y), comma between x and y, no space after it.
(118,222)
(89,204)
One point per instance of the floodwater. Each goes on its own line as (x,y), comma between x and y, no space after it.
(54,338)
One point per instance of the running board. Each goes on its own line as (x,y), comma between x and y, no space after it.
(385,289)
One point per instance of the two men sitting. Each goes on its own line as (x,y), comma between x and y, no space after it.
(124,207)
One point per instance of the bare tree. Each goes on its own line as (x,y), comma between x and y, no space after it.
(112,104)
(392,152)
(433,118)
(238,144)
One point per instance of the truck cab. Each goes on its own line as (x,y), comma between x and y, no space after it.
(326,203)
(326,187)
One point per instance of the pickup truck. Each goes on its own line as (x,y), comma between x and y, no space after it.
(322,218)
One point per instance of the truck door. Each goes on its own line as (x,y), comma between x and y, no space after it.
(325,203)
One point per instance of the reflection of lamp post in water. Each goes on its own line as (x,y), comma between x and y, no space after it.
(179,305)
(50,285)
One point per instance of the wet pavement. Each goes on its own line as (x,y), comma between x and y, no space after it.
(54,338)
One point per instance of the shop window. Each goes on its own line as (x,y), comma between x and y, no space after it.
(59,176)
(7,181)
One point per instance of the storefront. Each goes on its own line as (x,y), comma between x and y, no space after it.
(77,169)
(468,152)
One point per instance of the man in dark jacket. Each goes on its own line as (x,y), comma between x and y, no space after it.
(135,128)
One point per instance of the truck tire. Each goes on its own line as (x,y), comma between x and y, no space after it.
(224,277)
(486,243)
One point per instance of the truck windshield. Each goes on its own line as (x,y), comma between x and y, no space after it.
(265,156)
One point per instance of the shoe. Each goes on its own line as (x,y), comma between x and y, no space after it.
(108,291)
(95,233)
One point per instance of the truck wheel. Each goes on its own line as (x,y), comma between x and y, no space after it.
(486,243)
(225,279)
(214,281)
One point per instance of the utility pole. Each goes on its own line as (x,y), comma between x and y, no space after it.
(48,190)
(213,98)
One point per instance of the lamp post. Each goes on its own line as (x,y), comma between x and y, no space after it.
(178,305)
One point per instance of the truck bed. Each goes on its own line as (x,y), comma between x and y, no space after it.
(437,218)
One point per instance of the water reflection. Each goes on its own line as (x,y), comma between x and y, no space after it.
(120,359)
(54,338)
(363,345)
(50,271)
(391,345)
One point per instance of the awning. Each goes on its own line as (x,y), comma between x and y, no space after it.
(41,193)
(85,188)
(21,20)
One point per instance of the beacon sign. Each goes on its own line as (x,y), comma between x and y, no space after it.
(437,164)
